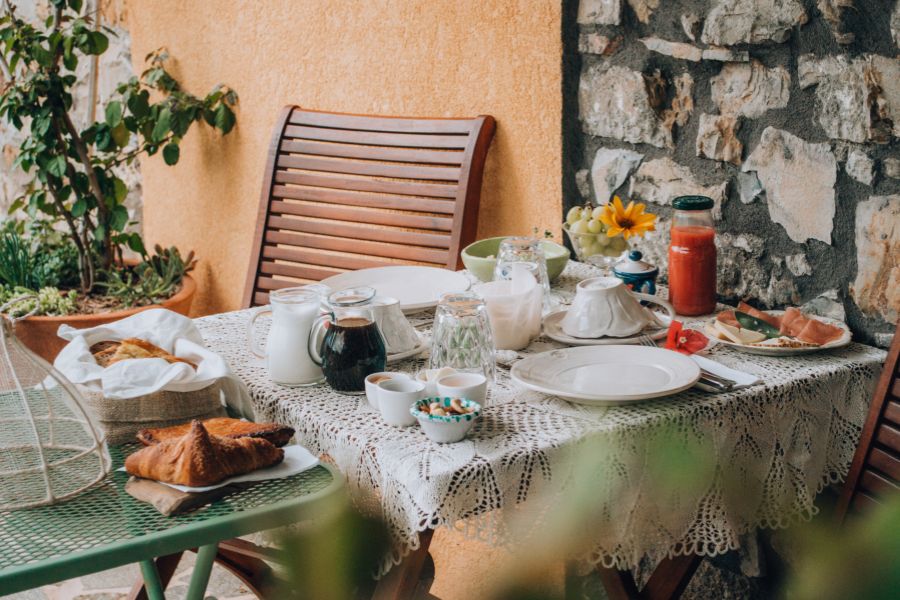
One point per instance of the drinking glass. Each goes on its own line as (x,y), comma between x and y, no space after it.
(529,253)
(461,337)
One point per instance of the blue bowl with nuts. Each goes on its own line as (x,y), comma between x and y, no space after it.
(446,420)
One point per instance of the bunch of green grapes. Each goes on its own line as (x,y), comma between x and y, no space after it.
(589,233)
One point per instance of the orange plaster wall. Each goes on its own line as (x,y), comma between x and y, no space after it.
(393,57)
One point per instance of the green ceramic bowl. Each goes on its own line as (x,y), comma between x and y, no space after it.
(480,257)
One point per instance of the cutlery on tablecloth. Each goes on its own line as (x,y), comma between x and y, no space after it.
(707,378)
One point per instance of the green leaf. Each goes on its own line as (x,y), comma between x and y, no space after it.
(79,208)
(98,42)
(113,113)
(161,129)
(120,190)
(224,119)
(139,104)
(57,166)
(121,135)
(75,5)
(137,244)
(119,218)
(170,154)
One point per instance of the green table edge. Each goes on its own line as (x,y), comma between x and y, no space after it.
(169,541)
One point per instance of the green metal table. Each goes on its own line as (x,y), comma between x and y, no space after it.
(106,528)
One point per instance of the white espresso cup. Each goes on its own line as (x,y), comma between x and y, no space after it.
(395,397)
(469,386)
(604,306)
(374,379)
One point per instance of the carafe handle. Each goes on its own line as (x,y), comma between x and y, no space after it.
(317,336)
(253,341)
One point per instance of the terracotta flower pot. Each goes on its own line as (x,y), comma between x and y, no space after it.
(39,333)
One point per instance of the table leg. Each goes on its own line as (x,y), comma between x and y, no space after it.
(400,582)
(154,587)
(165,568)
(202,568)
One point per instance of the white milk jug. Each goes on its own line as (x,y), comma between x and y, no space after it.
(287,349)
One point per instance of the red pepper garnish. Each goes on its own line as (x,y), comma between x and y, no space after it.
(686,341)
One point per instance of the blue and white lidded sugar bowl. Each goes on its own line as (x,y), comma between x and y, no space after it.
(638,274)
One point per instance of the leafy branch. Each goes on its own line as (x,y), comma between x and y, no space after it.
(74,171)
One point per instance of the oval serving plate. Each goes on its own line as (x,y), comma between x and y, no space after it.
(417,288)
(607,374)
(775,350)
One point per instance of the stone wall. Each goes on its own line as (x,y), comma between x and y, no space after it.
(785,112)
(114,68)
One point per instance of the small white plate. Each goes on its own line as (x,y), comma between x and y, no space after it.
(417,288)
(776,351)
(607,374)
(419,349)
(553,330)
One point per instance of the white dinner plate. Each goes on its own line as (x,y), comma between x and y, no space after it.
(419,349)
(417,288)
(553,330)
(775,351)
(607,374)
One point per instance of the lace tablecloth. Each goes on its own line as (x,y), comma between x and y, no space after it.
(767,450)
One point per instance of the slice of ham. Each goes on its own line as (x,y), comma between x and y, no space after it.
(727,317)
(762,316)
(817,332)
(792,322)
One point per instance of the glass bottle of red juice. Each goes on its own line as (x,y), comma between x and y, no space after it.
(692,256)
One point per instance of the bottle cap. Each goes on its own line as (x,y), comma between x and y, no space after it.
(692,203)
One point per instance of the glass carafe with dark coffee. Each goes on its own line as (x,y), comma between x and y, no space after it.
(352,346)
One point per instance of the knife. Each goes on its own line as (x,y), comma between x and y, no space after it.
(753,324)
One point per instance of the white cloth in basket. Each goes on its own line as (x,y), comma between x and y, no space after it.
(132,378)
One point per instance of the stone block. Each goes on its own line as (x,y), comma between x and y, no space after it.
(876,288)
(752,21)
(582,183)
(610,169)
(860,166)
(798,265)
(614,102)
(833,12)
(722,54)
(750,187)
(827,304)
(600,12)
(595,43)
(857,99)
(673,49)
(799,179)
(643,9)
(661,180)
(750,89)
(891,167)
(682,106)
(717,138)
(692,26)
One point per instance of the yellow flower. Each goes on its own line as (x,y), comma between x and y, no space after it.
(627,220)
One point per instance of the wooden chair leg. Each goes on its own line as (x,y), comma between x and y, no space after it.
(619,585)
(400,582)
(671,577)
(667,582)
(166,566)
(252,571)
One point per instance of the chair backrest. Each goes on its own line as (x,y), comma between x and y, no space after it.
(875,470)
(344,192)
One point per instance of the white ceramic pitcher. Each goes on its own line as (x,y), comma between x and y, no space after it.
(293,310)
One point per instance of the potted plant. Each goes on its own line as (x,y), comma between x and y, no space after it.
(69,253)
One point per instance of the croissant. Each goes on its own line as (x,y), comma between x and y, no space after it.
(279,435)
(198,459)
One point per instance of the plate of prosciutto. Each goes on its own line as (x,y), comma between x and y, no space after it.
(777,332)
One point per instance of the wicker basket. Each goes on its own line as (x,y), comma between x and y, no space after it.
(122,419)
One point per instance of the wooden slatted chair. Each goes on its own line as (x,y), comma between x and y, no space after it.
(875,470)
(344,192)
